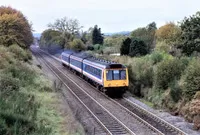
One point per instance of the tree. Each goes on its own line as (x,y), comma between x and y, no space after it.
(14,28)
(151,27)
(66,25)
(146,34)
(169,33)
(77,44)
(124,50)
(97,37)
(114,42)
(138,48)
(84,37)
(191,34)
(51,37)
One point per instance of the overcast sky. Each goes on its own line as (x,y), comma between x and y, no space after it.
(110,15)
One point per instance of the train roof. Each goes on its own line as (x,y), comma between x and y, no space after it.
(89,57)
(107,64)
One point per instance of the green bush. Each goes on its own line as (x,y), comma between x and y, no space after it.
(6,57)
(167,71)
(91,48)
(138,48)
(156,57)
(21,72)
(143,71)
(97,47)
(18,110)
(109,50)
(175,91)
(162,46)
(191,79)
(140,74)
(20,53)
(77,44)
(8,84)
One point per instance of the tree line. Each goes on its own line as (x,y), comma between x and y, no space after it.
(176,39)
(67,33)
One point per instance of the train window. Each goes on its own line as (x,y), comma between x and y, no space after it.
(116,74)
(123,74)
(109,75)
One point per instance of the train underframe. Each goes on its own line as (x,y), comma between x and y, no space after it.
(114,92)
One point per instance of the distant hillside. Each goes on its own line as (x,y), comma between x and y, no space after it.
(37,35)
(118,33)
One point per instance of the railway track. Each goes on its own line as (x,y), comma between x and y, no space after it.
(150,120)
(106,120)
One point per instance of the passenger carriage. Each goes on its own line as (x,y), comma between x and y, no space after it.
(107,76)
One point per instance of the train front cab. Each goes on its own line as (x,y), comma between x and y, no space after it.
(116,80)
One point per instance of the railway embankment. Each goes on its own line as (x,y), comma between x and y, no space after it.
(28,103)
(27,100)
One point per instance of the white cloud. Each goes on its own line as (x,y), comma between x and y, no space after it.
(110,15)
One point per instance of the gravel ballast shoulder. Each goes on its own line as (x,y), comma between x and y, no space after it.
(174,120)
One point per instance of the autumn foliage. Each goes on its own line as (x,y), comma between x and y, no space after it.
(169,33)
(14,28)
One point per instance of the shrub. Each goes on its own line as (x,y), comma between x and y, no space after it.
(156,57)
(167,71)
(143,71)
(97,47)
(77,44)
(8,84)
(191,79)
(162,46)
(21,72)
(6,57)
(91,48)
(175,91)
(20,53)
(108,50)
(140,74)
(138,48)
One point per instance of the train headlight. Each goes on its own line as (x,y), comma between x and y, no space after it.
(109,84)
(124,84)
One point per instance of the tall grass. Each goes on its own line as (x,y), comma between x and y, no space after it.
(23,111)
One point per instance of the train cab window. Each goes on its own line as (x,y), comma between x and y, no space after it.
(109,75)
(123,74)
(116,75)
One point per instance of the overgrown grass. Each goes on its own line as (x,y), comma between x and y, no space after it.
(26,97)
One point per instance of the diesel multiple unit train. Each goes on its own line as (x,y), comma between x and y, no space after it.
(109,77)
